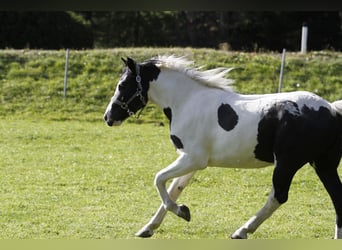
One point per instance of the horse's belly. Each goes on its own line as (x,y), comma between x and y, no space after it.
(236,149)
(237,162)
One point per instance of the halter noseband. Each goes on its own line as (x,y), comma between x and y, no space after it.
(138,93)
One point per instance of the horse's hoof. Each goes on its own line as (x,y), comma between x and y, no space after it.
(144,233)
(239,236)
(184,212)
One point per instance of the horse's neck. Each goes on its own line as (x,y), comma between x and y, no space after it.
(172,88)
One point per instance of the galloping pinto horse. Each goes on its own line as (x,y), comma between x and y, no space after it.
(211,125)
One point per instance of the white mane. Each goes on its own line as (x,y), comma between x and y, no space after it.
(211,78)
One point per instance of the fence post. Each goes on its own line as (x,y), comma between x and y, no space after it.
(281,71)
(304,43)
(66,72)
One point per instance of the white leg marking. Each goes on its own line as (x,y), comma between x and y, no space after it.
(338,233)
(174,190)
(253,223)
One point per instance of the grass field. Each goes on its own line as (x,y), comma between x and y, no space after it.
(66,175)
(83,180)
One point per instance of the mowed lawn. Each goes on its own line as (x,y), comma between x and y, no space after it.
(84,180)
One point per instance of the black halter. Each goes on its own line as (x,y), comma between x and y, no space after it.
(138,93)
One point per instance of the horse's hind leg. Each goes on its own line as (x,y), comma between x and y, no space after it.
(253,223)
(174,190)
(282,178)
(332,183)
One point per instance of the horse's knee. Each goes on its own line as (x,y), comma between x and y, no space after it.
(158,179)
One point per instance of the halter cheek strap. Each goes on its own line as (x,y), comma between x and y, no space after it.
(137,72)
(138,93)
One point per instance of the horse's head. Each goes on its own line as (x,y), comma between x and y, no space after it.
(131,91)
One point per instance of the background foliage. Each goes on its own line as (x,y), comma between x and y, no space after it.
(248,31)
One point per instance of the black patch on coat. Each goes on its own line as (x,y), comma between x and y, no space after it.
(275,119)
(296,136)
(149,71)
(266,135)
(168,113)
(227,117)
(177,142)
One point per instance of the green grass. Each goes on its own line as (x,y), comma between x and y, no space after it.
(66,175)
(74,180)
(83,180)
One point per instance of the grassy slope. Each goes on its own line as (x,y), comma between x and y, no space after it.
(31,82)
(64,174)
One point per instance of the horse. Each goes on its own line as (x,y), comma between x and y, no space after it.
(212,125)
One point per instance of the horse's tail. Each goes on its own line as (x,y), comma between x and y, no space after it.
(337,105)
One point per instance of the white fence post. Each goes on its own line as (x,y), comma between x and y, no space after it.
(281,71)
(66,72)
(304,43)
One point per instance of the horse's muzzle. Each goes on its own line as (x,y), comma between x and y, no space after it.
(107,120)
(111,122)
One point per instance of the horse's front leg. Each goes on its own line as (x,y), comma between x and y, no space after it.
(183,168)
(184,164)
(174,190)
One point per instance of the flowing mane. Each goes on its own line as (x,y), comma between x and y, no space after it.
(212,78)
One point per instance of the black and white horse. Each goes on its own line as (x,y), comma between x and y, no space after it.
(211,125)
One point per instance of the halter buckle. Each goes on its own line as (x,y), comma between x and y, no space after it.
(138,79)
(124,106)
(130,113)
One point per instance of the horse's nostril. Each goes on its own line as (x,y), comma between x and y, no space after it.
(105,117)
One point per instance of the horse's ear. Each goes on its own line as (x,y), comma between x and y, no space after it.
(131,64)
(124,61)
